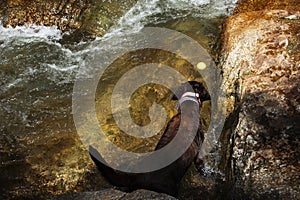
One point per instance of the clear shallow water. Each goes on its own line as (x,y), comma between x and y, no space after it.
(40,153)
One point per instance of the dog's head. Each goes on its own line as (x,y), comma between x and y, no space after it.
(192,86)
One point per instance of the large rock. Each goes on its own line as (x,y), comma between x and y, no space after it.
(85,17)
(116,194)
(65,14)
(254,5)
(261,65)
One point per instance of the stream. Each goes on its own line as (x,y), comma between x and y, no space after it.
(41,154)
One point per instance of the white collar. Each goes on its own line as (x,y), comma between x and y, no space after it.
(188,96)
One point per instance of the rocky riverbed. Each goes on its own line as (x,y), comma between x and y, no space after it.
(258,54)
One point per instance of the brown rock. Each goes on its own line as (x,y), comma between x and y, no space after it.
(88,17)
(261,65)
(254,5)
(67,15)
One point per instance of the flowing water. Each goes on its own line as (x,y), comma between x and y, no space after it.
(40,151)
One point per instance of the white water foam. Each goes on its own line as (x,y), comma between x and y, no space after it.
(62,69)
(132,21)
(21,36)
(142,13)
(137,17)
(209,171)
(30,31)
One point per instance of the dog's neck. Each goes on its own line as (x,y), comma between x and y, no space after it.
(188,96)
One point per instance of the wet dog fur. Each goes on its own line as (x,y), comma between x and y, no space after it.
(167,179)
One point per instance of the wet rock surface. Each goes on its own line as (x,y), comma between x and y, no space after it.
(87,18)
(261,75)
(116,195)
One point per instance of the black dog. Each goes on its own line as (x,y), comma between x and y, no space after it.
(167,179)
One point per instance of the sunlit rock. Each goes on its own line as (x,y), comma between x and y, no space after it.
(261,76)
(254,5)
(83,17)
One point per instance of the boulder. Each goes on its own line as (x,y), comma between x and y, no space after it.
(261,68)
(254,5)
(83,17)
(116,195)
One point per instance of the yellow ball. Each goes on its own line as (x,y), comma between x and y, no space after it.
(201,66)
